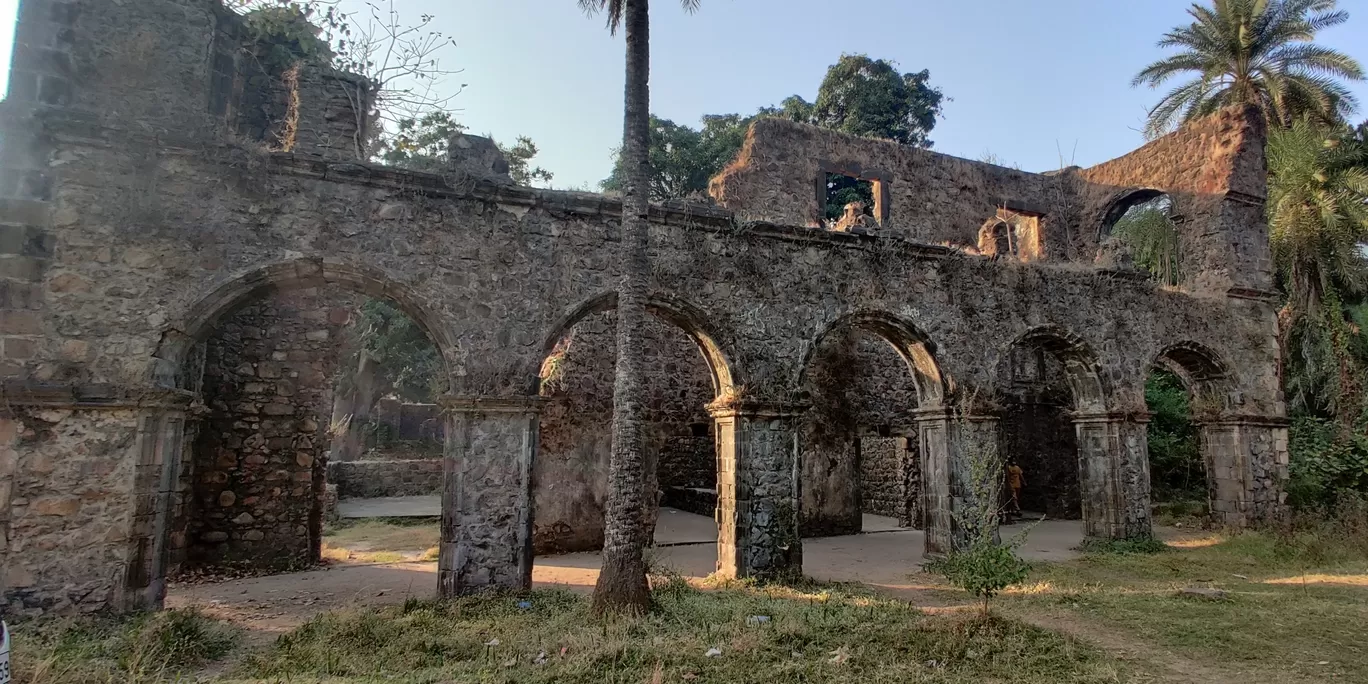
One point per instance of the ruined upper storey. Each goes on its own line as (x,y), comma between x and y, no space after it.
(1213,171)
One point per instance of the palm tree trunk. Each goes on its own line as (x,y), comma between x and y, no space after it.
(622,584)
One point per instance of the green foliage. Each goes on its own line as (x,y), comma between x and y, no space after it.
(983,570)
(824,634)
(859,96)
(684,159)
(1152,237)
(842,190)
(1256,52)
(142,648)
(871,99)
(1318,222)
(520,167)
(1145,545)
(287,34)
(420,144)
(1324,460)
(408,359)
(1176,468)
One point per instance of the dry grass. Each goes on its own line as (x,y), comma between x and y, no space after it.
(144,649)
(382,541)
(802,634)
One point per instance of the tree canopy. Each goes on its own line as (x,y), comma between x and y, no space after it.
(859,96)
(1256,52)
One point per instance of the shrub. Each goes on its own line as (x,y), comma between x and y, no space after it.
(984,570)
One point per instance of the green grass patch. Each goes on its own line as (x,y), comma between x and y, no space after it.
(1292,612)
(1122,546)
(147,648)
(763,634)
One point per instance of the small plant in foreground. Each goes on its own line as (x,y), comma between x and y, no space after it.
(981,563)
(983,570)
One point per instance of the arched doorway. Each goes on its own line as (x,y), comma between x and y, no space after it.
(1080,459)
(268,355)
(685,372)
(868,377)
(1192,467)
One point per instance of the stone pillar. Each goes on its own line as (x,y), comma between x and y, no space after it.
(487,494)
(757,490)
(1113,462)
(89,480)
(950,447)
(156,485)
(1246,462)
(933,446)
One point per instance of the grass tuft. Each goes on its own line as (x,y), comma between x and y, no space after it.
(764,634)
(147,648)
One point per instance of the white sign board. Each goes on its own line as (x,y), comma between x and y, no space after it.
(4,653)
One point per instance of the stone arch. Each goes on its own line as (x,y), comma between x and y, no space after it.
(1081,367)
(1201,369)
(1123,202)
(179,337)
(673,310)
(914,346)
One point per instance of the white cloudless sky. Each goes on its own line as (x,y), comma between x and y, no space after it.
(1034,83)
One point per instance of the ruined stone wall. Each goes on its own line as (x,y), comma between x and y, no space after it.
(931,197)
(375,478)
(134,222)
(1214,171)
(859,388)
(258,472)
(571,472)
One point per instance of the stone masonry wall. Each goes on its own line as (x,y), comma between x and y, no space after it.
(859,388)
(571,473)
(259,461)
(392,477)
(134,221)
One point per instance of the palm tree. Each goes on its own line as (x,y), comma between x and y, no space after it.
(1255,52)
(622,585)
(1318,224)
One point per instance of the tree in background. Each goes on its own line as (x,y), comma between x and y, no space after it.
(421,145)
(871,99)
(1176,469)
(859,96)
(1256,52)
(1148,230)
(622,584)
(1318,224)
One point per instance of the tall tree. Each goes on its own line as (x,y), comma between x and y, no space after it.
(1318,225)
(1255,52)
(870,98)
(622,584)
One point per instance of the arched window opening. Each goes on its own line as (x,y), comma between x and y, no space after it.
(1146,224)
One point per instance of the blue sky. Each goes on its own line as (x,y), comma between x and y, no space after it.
(1034,83)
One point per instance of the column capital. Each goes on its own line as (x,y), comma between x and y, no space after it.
(757,409)
(1142,417)
(452,403)
(1239,420)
